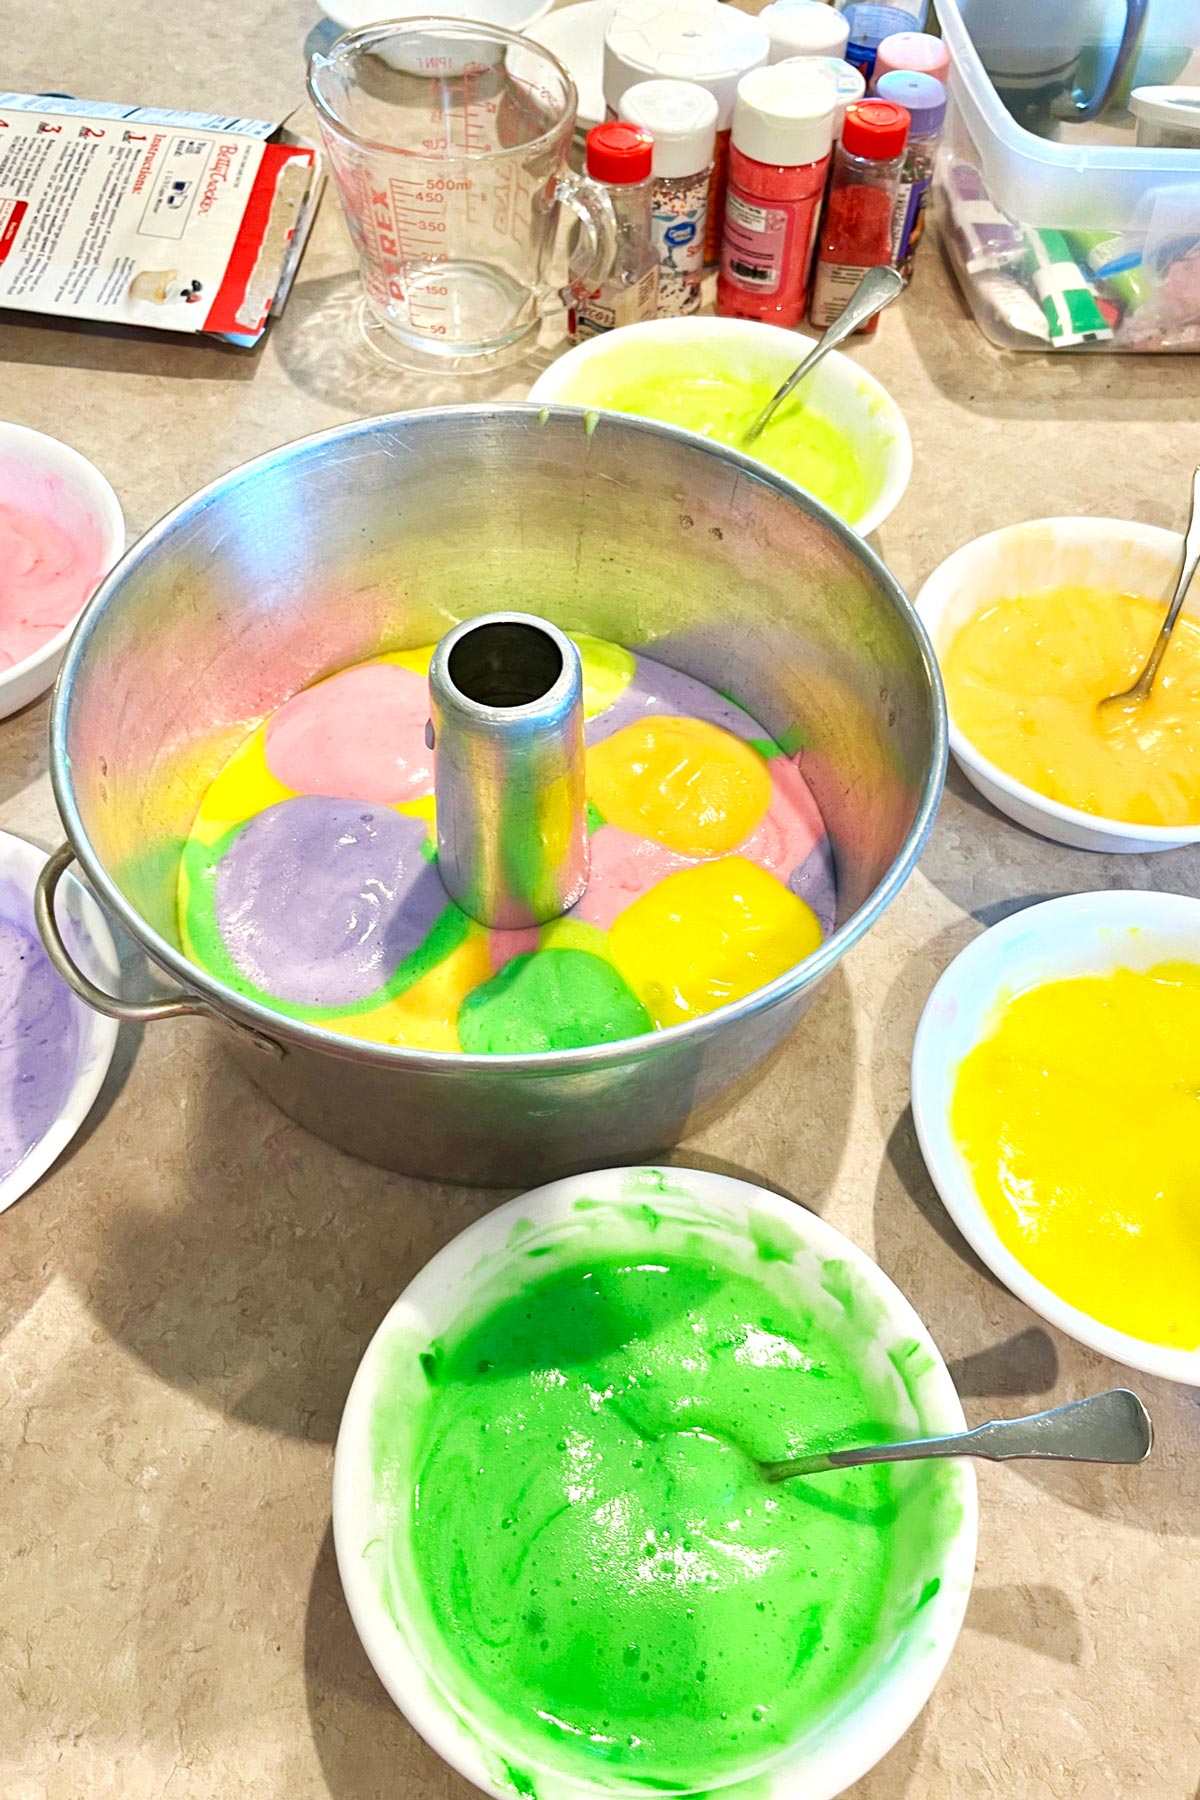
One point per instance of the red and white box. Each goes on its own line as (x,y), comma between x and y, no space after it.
(141,216)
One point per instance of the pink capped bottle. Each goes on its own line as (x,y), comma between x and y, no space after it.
(783,122)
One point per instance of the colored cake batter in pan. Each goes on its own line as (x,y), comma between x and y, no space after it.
(310,878)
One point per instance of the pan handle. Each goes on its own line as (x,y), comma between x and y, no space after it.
(136,1012)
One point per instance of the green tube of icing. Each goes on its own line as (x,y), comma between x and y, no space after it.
(1065,290)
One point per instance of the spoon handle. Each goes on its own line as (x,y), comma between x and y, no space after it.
(1107,1428)
(1187,569)
(872,294)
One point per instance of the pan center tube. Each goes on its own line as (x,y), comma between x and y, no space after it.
(506,723)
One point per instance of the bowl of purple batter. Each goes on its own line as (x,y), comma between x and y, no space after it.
(348,550)
(54,1050)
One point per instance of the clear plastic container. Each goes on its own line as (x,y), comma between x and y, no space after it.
(1079,240)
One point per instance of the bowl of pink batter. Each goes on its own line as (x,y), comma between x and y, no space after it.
(61,531)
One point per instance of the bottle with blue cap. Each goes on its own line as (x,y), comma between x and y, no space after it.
(923,97)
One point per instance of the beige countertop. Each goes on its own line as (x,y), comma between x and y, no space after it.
(185,1298)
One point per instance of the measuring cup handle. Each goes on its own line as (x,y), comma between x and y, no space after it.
(597,238)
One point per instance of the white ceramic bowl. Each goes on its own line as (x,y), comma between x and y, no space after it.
(513,15)
(56,466)
(1081,934)
(91,944)
(1139,559)
(490,1259)
(838,390)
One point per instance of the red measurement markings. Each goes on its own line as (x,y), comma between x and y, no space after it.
(421,224)
(380,232)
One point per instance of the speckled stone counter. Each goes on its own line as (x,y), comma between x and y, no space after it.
(185,1298)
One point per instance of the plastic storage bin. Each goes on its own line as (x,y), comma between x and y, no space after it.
(1072,243)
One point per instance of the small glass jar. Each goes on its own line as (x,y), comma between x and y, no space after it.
(619,158)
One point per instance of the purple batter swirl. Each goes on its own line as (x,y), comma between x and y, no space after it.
(320,900)
(657,689)
(39,1036)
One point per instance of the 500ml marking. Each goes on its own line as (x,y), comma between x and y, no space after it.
(441,184)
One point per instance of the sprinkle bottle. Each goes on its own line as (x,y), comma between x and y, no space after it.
(850,87)
(681,117)
(804,28)
(869,25)
(619,156)
(687,40)
(924,100)
(778,164)
(916,51)
(856,234)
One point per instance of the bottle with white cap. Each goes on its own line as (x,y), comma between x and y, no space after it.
(686,40)
(681,117)
(804,28)
(848,82)
(779,159)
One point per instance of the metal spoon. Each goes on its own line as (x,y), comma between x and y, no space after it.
(874,291)
(1133,696)
(1107,1428)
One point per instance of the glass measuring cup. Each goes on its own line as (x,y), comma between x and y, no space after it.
(448,142)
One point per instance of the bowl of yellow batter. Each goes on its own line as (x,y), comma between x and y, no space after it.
(1033,625)
(556,1542)
(1055,1076)
(841,436)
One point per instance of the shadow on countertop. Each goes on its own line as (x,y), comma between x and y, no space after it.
(321,345)
(248,1263)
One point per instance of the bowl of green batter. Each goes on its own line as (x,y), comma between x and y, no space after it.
(552,1531)
(841,436)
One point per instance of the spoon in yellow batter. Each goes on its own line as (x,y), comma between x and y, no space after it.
(1133,696)
(1105,1428)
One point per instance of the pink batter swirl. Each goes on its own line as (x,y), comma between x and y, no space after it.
(52,554)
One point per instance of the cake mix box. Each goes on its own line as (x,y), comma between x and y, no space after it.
(139,216)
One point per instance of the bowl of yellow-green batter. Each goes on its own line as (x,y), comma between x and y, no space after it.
(552,1530)
(841,436)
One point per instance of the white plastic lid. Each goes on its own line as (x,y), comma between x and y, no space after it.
(1175,106)
(784,115)
(687,40)
(804,28)
(847,80)
(681,117)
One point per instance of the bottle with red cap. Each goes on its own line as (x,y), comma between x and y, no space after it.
(856,232)
(620,158)
(782,136)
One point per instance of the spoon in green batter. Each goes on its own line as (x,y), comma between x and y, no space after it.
(1107,1428)
(874,291)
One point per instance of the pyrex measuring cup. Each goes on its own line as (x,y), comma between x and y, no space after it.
(448,142)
